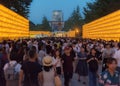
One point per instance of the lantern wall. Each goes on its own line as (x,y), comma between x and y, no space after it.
(107,28)
(12,25)
(33,34)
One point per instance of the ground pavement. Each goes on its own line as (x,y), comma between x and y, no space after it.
(74,81)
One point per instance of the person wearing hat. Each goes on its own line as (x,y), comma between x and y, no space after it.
(48,73)
(67,61)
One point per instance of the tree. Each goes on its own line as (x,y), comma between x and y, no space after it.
(75,20)
(45,24)
(19,6)
(41,27)
(31,25)
(100,8)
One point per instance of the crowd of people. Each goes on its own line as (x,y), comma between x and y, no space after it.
(37,62)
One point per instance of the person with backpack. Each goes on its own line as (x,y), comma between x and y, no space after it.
(92,61)
(11,70)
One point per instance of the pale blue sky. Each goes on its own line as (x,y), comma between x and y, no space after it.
(40,8)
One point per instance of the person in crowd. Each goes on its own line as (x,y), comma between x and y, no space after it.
(48,74)
(92,61)
(117,57)
(3,61)
(76,53)
(82,68)
(4,54)
(48,48)
(78,46)
(54,48)
(26,54)
(11,70)
(34,48)
(102,48)
(41,54)
(115,47)
(67,60)
(110,77)
(107,53)
(73,53)
(6,45)
(57,62)
(20,54)
(30,71)
(36,45)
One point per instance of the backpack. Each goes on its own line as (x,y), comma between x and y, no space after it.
(10,73)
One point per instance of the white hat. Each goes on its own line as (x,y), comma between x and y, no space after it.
(47,61)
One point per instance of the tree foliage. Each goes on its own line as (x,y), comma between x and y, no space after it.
(75,20)
(45,26)
(19,6)
(100,8)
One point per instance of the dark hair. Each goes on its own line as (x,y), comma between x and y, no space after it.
(118,45)
(47,68)
(13,55)
(111,60)
(40,47)
(107,45)
(55,45)
(56,51)
(93,49)
(48,42)
(82,47)
(32,53)
(34,48)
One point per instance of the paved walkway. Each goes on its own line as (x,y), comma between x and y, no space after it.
(74,81)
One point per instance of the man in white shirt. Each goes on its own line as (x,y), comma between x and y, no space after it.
(117,57)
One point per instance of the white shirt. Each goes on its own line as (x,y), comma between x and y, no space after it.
(76,48)
(17,67)
(41,55)
(117,57)
(36,45)
(56,61)
(7,48)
